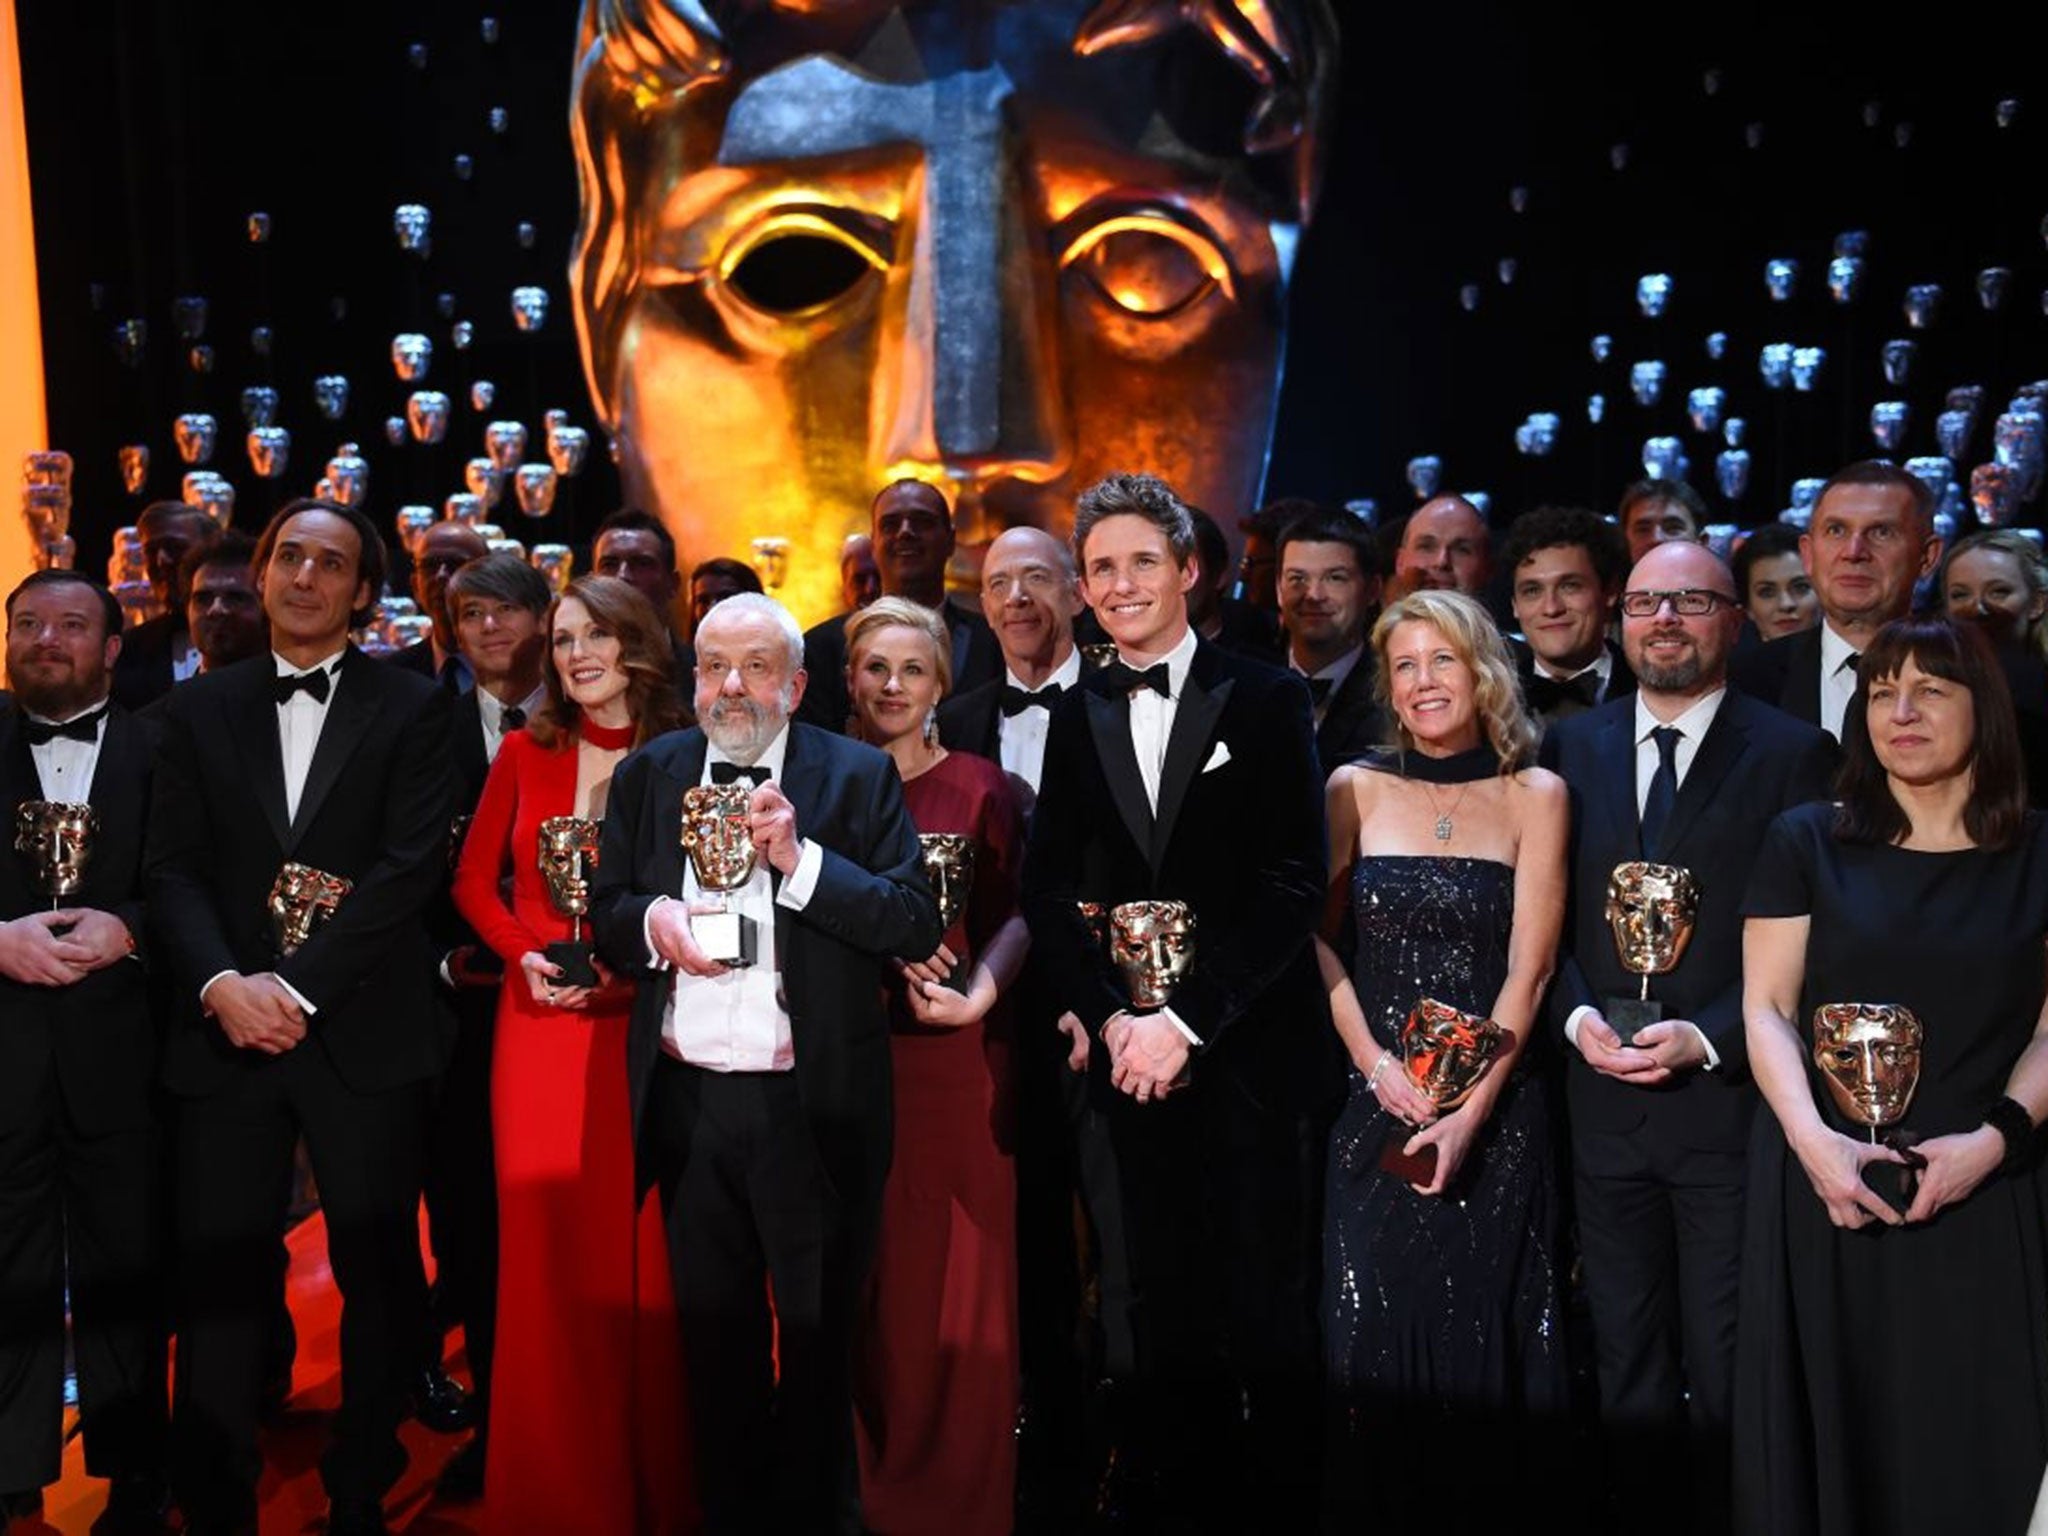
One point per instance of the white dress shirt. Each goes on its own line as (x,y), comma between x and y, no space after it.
(185,658)
(299,720)
(490,711)
(1336,672)
(1151,730)
(1020,738)
(1837,679)
(64,767)
(1692,727)
(738,1020)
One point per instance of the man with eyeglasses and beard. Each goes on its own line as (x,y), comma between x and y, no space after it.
(761,1092)
(1686,772)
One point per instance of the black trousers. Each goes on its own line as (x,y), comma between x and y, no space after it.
(750,1206)
(234,1171)
(461,1190)
(1660,1236)
(92,1202)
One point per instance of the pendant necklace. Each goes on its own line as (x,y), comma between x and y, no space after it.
(1443,818)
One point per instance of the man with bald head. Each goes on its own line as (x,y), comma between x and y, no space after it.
(1686,772)
(912,531)
(442,550)
(1447,547)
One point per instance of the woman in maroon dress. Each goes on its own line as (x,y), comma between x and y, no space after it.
(587,1419)
(936,1359)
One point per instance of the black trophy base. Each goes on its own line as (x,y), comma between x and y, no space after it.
(730,938)
(573,959)
(1626,1016)
(1896,1183)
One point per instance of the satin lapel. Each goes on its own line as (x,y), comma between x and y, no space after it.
(1710,769)
(1109,718)
(353,707)
(673,775)
(1802,683)
(1615,765)
(252,722)
(1194,728)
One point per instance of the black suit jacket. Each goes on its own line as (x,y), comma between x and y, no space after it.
(142,671)
(1241,840)
(96,1034)
(1353,724)
(375,809)
(1754,762)
(1784,672)
(871,901)
(977,659)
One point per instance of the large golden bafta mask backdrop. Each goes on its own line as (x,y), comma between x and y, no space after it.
(1006,246)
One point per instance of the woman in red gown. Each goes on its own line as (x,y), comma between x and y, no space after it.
(935,1367)
(587,1418)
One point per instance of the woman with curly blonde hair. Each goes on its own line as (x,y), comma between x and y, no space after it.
(1447,855)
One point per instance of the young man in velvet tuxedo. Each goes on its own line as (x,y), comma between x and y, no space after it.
(1183,773)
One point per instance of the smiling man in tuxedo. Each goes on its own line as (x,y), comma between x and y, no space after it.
(1213,1099)
(313,756)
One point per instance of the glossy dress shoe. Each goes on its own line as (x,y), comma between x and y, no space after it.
(439,1402)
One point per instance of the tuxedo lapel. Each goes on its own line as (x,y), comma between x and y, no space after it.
(1615,765)
(1802,679)
(252,722)
(1109,717)
(1710,769)
(352,708)
(1194,727)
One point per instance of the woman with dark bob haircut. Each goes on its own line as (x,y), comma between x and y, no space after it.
(1892,1353)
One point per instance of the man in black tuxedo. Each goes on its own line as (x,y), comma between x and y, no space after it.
(1329,586)
(161,651)
(1237,624)
(913,540)
(80,1141)
(1691,773)
(1565,569)
(761,1093)
(223,609)
(1184,773)
(1871,538)
(498,605)
(442,550)
(314,757)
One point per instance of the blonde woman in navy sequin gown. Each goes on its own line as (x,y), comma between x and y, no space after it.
(1441,1311)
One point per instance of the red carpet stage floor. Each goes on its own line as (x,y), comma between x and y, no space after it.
(292,1501)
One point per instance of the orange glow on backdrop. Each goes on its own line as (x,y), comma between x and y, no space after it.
(22,422)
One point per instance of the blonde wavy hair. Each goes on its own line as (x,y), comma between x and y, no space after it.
(1473,636)
(901,612)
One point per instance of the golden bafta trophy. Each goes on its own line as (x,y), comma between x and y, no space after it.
(719,839)
(1652,910)
(568,853)
(949,870)
(301,899)
(1445,1051)
(1153,945)
(1869,1056)
(56,837)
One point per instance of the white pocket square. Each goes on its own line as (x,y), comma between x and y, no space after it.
(1217,758)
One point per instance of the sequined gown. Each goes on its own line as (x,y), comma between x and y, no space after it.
(1442,1324)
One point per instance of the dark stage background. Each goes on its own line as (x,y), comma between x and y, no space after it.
(155,129)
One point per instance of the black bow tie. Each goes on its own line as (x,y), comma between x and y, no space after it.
(84,728)
(314,682)
(1547,693)
(1320,689)
(732,773)
(1121,677)
(1016,700)
(510,719)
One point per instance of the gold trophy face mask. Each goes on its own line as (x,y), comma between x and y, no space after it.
(949,870)
(719,839)
(567,854)
(301,899)
(1446,1051)
(1153,945)
(1869,1054)
(1003,249)
(1652,910)
(56,837)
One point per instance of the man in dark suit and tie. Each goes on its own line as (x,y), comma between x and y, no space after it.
(1329,587)
(80,1140)
(162,651)
(913,540)
(1690,773)
(1565,568)
(312,781)
(1870,539)
(442,550)
(761,1093)
(1183,773)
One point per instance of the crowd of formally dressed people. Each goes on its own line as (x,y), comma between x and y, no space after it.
(1154,1049)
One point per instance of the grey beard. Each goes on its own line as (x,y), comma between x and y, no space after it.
(1678,678)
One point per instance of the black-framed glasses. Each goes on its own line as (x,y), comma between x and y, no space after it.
(1686,602)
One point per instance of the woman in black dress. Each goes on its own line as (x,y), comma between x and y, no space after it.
(1892,1366)
(1441,1317)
